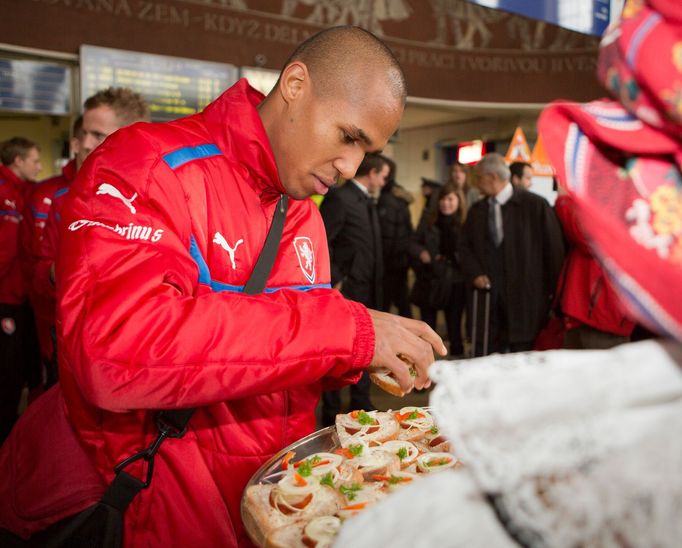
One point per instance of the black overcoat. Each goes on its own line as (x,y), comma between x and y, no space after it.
(533,252)
(354,249)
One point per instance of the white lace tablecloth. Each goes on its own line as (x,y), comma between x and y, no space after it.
(573,447)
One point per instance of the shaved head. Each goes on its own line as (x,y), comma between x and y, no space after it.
(337,57)
(340,96)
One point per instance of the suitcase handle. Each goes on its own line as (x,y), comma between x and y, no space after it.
(486,320)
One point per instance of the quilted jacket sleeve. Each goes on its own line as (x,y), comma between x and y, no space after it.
(566,213)
(137,329)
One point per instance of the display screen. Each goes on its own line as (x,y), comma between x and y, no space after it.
(586,16)
(35,87)
(172,86)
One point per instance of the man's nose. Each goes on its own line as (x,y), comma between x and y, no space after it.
(89,143)
(347,165)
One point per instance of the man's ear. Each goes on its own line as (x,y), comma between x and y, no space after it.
(294,81)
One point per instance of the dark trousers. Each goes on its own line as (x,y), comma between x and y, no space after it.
(359,399)
(453,311)
(396,292)
(19,359)
(498,332)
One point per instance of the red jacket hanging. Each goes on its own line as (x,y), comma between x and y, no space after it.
(588,296)
(159,235)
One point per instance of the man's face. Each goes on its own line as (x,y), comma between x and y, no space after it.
(526,179)
(322,138)
(377,179)
(458,175)
(27,168)
(98,124)
(486,183)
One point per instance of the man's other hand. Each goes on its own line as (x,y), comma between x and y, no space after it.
(411,338)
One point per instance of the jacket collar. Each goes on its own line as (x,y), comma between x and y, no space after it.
(69,171)
(235,125)
(8,176)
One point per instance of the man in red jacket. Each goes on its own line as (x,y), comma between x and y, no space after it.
(20,166)
(38,203)
(103,113)
(160,233)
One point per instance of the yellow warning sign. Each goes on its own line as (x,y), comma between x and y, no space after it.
(540,161)
(518,148)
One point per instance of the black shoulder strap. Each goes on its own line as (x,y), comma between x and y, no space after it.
(261,272)
(172,423)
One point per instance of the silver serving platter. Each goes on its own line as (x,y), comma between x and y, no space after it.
(271,471)
(324,440)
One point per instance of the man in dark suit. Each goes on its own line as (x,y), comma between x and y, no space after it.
(352,224)
(512,243)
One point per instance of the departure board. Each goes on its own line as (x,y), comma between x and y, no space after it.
(172,86)
(35,87)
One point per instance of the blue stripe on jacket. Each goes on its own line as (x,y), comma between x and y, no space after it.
(187,154)
(205,276)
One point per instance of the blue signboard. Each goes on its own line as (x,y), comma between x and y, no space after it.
(35,87)
(586,16)
(172,86)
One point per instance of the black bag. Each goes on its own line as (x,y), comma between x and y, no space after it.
(101,525)
(433,287)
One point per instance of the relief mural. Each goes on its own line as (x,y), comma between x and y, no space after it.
(450,49)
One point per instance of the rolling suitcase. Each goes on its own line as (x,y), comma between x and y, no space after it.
(486,321)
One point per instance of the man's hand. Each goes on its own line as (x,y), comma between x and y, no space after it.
(482,282)
(425,256)
(411,338)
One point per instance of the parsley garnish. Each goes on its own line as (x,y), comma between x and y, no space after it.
(305,469)
(327,479)
(394,480)
(365,419)
(402,453)
(355,450)
(315,460)
(413,415)
(350,492)
(434,430)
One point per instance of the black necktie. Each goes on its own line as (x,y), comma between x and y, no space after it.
(493,229)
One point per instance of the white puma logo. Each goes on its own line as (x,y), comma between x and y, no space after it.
(111,190)
(219,239)
(10,203)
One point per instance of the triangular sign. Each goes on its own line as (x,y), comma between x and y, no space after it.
(540,161)
(518,148)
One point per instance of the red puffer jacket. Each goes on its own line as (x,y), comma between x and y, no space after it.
(34,228)
(588,296)
(159,235)
(12,198)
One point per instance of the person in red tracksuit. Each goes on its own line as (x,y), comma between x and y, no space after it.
(35,214)
(160,232)
(20,165)
(103,113)
(593,315)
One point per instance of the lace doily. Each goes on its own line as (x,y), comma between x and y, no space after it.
(574,447)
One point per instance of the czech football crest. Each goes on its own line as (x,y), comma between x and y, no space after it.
(306,257)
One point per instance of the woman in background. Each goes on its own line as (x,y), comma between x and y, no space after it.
(439,284)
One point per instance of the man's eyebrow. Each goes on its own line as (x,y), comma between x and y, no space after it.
(361,135)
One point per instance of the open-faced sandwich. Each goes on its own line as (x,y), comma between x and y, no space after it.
(378,452)
(385,379)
